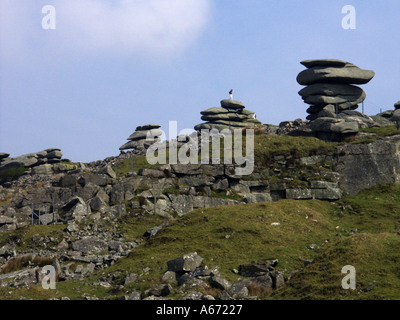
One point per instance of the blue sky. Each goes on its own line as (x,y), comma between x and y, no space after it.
(110,66)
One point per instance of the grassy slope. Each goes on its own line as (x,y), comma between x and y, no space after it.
(372,250)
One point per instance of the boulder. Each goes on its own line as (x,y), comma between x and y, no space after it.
(145,134)
(344,102)
(328,111)
(143,137)
(214,111)
(231,115)
(254,270)
(232,104)
(347,74)
(90,245)
(335,125)
(219,283)
(330,92)
(97,204)
(4,155)
(397,105)
(148,127)
(75,208)
(186,263)
(395,116)
(44,169)
(257,197)
(330,89)
(238,290)
(323,63)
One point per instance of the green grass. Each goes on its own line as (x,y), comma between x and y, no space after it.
(380,132)
(375,258)
(251,237)
(228,236)
(268,146)
(22,237)
(373,210)
(11,174)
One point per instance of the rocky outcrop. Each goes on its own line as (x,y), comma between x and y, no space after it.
(197,277)
(365,165)
(329,88)
(331,93)
(143,137)
(231,115)
(48,156)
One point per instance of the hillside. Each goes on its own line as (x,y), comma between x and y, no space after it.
(284,232)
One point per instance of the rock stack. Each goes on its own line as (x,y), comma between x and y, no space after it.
(143,137)
(330,85)
(51,155)
(397,105)
(231,114)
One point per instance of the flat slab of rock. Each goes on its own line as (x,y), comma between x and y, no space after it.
(4,155)
(232,104)
(321,100)
(214,111)
(147,127)
(349,74)
(323,62)
(144,134)
(330,89)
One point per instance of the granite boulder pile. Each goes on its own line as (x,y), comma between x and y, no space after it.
(143,137)
(333,97)
(231,115)
(330,86)
(48,156)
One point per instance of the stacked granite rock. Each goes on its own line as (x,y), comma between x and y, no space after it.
(143,137)
(330,84)
(231,115)
(48,156)
(395,115)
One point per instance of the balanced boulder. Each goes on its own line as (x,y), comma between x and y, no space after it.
(143,137)
(333,97)
(231,115)
(333,71)
(330,88)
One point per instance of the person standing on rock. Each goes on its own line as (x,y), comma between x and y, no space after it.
(231,94)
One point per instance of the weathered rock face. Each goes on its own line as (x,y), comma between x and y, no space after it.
(232,114)
(365,165)
(143,137)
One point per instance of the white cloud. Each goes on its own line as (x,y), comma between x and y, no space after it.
(120,26)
